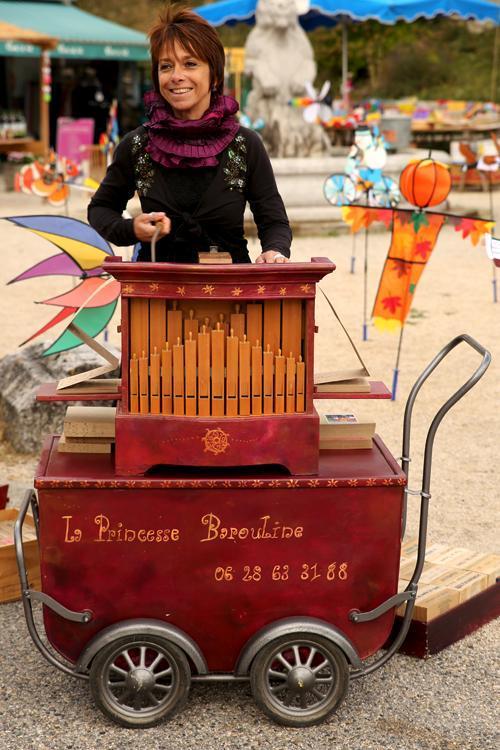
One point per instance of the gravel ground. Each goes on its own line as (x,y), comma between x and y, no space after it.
(444,703)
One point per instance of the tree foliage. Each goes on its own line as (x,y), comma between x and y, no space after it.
(440,58)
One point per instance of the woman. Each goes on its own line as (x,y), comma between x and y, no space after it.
(191,163)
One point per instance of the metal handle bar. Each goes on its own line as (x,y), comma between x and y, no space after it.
(411,589)
(28,594)
(477,375)
(429,442)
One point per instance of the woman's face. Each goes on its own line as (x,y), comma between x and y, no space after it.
(184,82)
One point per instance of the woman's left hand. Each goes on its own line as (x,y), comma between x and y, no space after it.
(272,256)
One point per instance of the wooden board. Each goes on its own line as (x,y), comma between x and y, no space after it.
(10,589)
(82,446)
(427,638)
(90,421)
(377,390)
(49,392)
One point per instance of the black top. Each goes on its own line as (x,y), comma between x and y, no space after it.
(205,205)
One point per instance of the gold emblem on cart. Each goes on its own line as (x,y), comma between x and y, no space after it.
(216,441)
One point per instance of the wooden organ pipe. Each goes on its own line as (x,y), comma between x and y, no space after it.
(239,367)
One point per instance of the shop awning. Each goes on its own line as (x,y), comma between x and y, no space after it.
(11,33)
(81,35)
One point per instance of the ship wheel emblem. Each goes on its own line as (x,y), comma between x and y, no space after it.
(216,441)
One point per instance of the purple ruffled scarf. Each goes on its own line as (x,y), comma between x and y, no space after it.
(189,143)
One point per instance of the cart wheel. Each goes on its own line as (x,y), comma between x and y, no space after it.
(139,680)
(298,680)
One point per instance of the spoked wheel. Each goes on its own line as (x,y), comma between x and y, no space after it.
(300,679)
(339,190)
(386,193)
(139,680)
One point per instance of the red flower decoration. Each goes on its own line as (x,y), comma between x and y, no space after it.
(401,267)
(423,249)
(392,303)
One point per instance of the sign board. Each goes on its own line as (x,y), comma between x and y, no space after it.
(72,135)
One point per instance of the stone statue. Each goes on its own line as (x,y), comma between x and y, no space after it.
(279,58)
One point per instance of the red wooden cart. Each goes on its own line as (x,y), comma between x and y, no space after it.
(289,580)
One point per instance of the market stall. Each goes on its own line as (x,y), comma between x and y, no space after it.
(11,33)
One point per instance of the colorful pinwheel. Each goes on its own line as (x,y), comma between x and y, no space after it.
(91,304)
(52,180)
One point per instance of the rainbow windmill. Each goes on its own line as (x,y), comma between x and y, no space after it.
(91,303)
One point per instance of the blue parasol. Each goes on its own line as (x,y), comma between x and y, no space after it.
(333,12)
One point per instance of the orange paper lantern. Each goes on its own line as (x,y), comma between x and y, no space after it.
(425,183)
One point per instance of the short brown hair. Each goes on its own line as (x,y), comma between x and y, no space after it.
(194,34)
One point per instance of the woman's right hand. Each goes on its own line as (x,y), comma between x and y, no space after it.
(145,225)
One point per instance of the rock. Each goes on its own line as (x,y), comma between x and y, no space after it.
(26,422)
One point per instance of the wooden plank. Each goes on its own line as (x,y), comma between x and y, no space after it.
(139,326)
(377,390)
(10,587)
(426,638)
(254,323)
(82,446)
(90,421)
(272,325)
(49,392)
(291,328)
(204,372)
(190,369)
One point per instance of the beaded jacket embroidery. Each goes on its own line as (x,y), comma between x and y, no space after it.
(236,165)
(143,164)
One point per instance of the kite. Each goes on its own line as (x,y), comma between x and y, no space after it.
(89,305)
(415,232)
(363,180)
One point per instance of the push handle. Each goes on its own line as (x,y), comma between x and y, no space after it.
(410,592)
(28,594)
(429,442)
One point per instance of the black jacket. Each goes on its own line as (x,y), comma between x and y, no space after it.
(206,205)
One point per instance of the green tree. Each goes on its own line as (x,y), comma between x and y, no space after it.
(440,58)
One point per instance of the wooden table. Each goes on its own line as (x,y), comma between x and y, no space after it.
(20,144)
